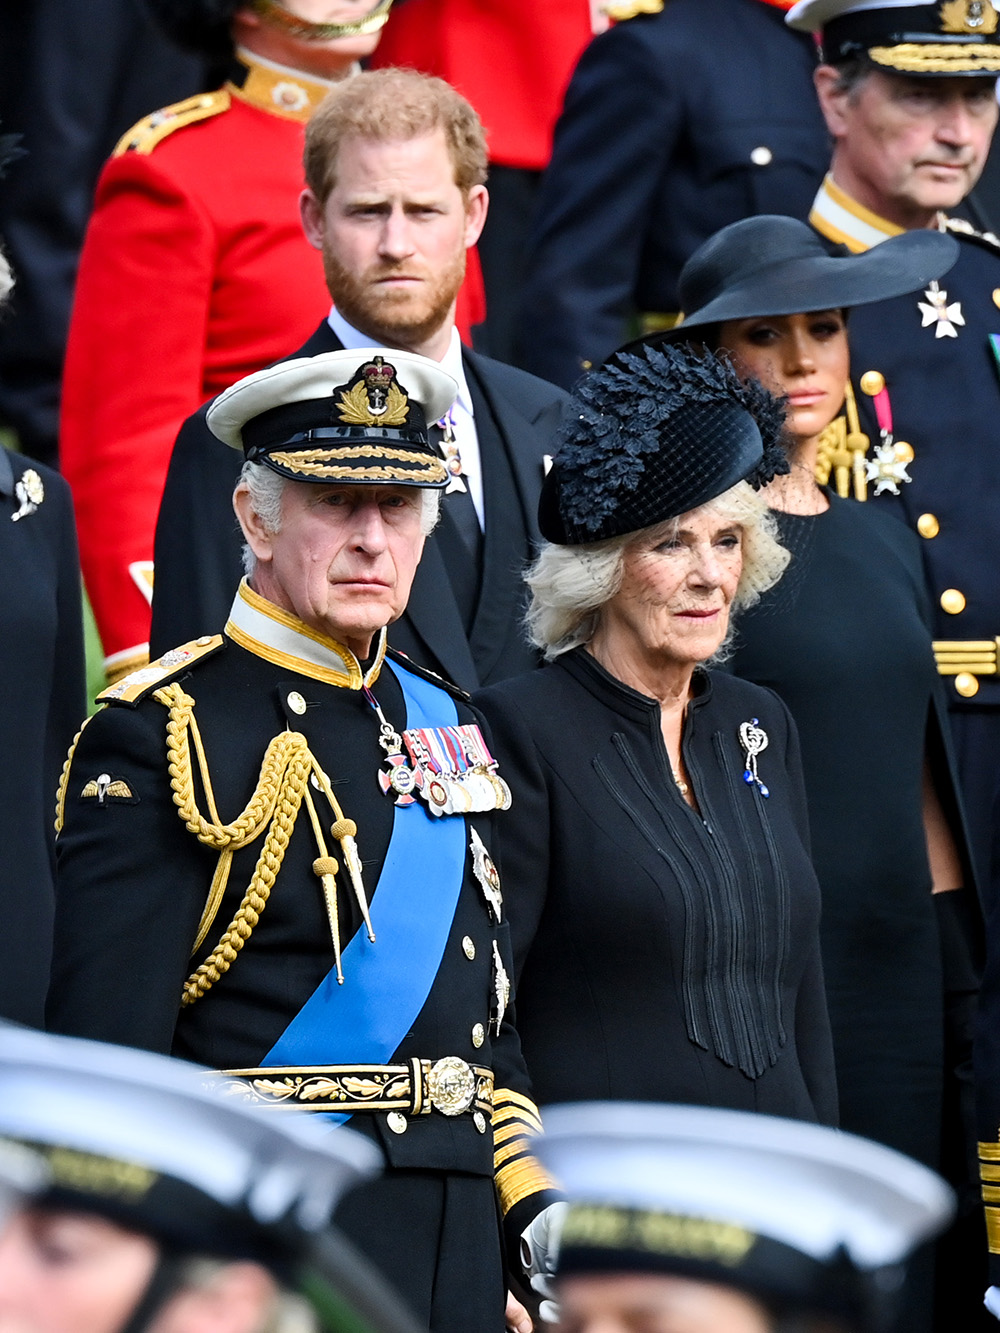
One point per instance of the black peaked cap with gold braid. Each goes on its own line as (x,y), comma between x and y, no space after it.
(934,38)
(350,417)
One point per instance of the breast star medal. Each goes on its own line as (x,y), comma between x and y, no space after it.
(487,875)
(754,740)
(30,492)
(936,310)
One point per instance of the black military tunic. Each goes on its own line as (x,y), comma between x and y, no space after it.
(151,807)
(674,125)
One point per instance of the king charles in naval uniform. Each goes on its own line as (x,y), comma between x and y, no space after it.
(274,847)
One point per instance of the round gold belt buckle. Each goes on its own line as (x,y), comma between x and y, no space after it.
(451,1085)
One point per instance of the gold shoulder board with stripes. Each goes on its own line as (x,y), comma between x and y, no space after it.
(620,10)
(135,686)
(151,130)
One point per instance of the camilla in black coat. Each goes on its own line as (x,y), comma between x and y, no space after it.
(663,908)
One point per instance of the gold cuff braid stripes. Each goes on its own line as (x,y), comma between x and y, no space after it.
(989,1172)
(516,1171)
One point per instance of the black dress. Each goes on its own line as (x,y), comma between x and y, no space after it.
(844,641)
(662,954)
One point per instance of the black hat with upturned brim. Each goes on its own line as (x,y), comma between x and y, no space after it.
(653,434)
(773,265)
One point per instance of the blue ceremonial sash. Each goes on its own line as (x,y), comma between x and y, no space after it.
(386,984)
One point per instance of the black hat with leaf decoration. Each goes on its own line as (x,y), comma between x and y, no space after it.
(652,434)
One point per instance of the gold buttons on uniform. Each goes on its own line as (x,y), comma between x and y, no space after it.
(952,601)
(296,702)
(762,156)
(478,1035)
(928,526)
(586,365)
(966,684)
(396,1122)
(903,451)
(996,295)
(872,382)
(479,1120)
(468,947)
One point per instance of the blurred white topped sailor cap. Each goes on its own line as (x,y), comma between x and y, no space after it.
(776,1207)
(146,1140)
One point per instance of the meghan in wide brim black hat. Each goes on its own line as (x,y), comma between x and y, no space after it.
(773,265)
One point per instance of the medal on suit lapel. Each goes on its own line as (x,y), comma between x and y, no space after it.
(501,991)
(754,740)
(395,774)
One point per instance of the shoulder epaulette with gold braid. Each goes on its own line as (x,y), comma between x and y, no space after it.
(424,673)
(151,130)
(135,686)
(620,10)
(959,227)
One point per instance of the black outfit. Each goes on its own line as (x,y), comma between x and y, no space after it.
(661,954)
(674,125)
(198,542)
(42,674)
(843,639)
(944,395)
(73,78)
(133,881)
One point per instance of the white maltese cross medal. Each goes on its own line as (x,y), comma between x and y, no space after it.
(936,310)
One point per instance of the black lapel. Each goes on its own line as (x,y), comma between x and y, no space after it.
(522,441)
(322,339)
(430,630)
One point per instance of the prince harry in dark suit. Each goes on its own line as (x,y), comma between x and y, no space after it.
(395,167)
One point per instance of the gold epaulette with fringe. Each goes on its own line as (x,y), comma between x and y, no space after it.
(620,10)
(151,130)
(135,686)
(959,227)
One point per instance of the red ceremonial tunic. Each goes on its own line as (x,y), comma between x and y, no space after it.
(513,63)
(194,272)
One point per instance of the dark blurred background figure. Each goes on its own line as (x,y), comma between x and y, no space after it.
(73,78)
(41,678)
(194,272)
(513,62)
(675,124)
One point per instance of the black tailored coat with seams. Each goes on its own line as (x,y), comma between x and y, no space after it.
(661,954)
(198,542)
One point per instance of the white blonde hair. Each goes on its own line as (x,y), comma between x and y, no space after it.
(267,487)
(570,584)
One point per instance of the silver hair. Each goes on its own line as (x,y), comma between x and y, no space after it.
(570,584)
(267,487)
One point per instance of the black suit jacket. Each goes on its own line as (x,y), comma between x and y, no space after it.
(198,541)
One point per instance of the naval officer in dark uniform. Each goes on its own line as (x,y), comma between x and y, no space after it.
(274,848)
(684,117)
